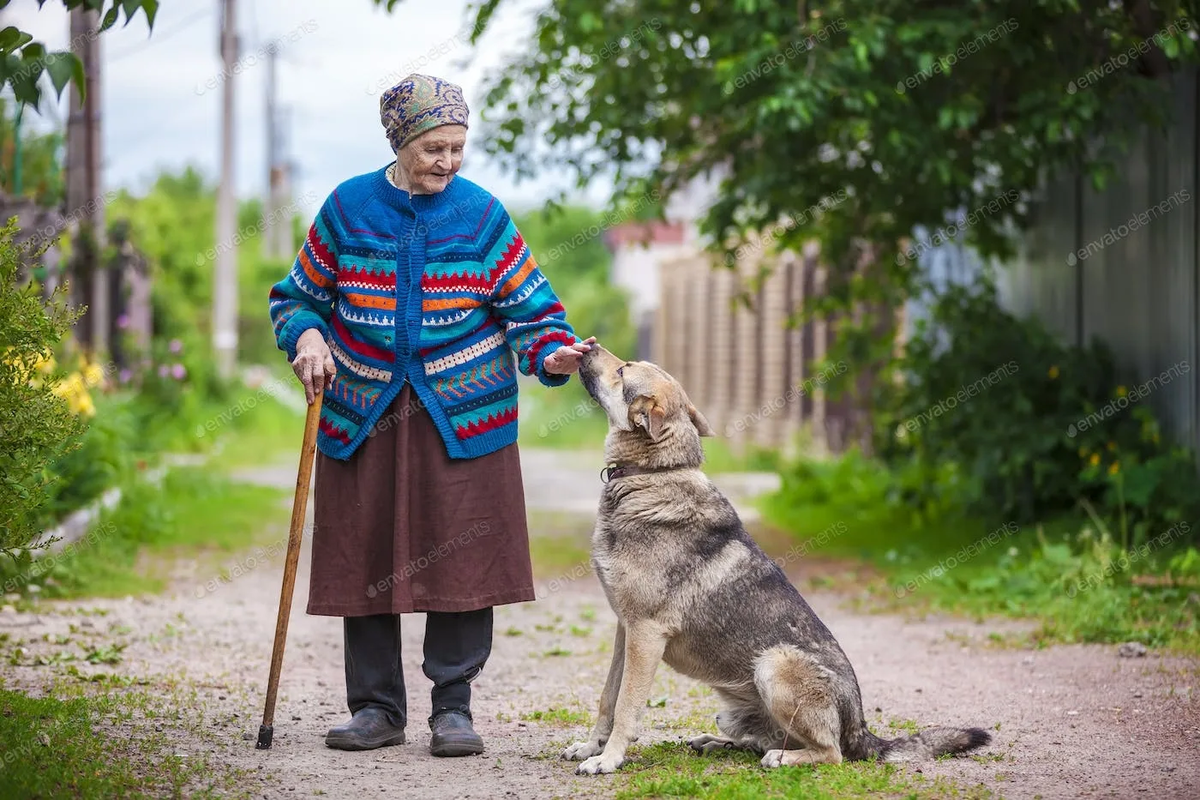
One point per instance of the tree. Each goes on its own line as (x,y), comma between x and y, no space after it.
(23,61)
(847,121)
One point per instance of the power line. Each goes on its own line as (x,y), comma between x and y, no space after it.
(158,37)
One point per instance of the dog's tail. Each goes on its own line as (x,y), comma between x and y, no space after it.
(926,745)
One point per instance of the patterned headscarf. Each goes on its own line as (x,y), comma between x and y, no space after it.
(419,103)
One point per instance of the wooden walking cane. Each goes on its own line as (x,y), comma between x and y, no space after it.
(295,535)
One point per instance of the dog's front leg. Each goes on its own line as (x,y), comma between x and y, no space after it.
(644,646)
(608,701)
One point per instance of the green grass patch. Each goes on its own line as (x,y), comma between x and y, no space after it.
(560,544)
(1066,573)
(68,748)
(672,770)
(194,513)
(564,717)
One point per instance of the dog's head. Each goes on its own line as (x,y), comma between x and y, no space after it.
(649,414)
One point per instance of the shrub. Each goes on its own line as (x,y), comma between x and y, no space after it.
(1033,426)
(36,423)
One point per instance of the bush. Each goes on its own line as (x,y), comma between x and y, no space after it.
(1032,426)
(36,424)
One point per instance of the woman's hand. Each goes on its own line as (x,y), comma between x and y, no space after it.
(565,360)
(313,360)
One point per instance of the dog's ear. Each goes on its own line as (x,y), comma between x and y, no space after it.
(702,426)
(646,413)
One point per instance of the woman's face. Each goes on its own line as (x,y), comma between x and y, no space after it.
(430,160)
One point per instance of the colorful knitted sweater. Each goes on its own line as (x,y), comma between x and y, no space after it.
(434,290)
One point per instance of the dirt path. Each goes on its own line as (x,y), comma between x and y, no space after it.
(1073,721)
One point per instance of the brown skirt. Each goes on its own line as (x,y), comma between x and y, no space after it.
(402,527)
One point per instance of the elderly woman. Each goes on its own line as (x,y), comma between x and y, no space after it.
(404,306)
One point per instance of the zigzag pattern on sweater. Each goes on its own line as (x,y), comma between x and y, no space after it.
(481,376)
(374,255)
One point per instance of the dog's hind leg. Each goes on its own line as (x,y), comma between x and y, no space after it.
(608,702)
(800,696)
(743,725)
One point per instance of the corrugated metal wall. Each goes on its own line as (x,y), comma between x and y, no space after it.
(1121,265)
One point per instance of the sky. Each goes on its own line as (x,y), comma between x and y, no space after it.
(161,91)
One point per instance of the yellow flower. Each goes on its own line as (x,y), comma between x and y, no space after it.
(1121,391)
(1053,373)
(1095,459)
(83,405)
(1114,468)
(1111,447)
(92,375)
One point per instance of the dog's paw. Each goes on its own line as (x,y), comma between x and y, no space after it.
(601,764)
(581,750)
(773,759)
(708,743)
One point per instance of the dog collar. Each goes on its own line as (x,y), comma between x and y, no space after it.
(615,471)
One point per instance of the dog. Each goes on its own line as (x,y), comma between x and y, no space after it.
(691,588)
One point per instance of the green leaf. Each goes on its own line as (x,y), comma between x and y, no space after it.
(63,67)
(11,38)
(110,18)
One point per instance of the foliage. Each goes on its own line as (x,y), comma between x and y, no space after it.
(1030,425)
(42,175)
(847,122)
(1071,573)
(70,748)
(24,61)
(36,423)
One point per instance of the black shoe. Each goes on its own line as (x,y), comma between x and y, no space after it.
(453,735)
(370,728)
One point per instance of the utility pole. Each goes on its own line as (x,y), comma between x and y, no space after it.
(278,230)
(85,211)
(225,277)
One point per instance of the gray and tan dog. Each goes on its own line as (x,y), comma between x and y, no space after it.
(690,587)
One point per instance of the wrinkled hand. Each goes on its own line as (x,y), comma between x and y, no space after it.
(565,360)
(313,360)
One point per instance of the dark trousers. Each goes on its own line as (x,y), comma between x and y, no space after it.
(457,645)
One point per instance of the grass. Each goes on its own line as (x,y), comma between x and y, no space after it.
(672,770)
(91,747)
(949,562)
(559,716)
(194,513)
(567,553)
(560,418)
